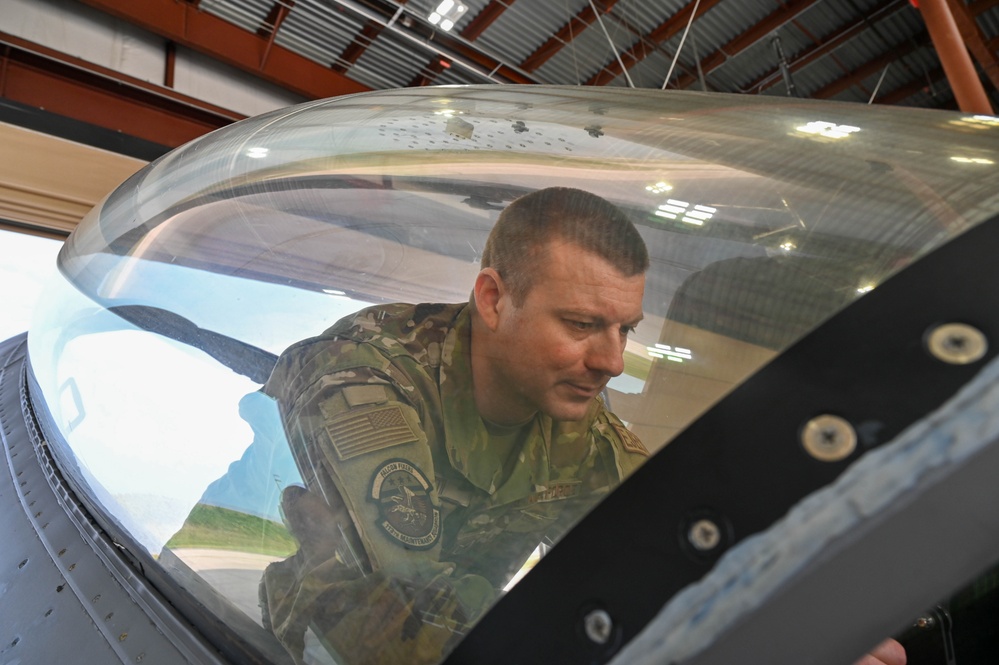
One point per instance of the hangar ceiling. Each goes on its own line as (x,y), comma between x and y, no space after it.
(850,50)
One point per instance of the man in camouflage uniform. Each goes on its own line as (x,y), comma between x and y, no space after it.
(442,444)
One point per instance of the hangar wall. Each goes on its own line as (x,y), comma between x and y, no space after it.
(48,183)
(96,37)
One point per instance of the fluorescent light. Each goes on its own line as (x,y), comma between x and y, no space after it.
(256,153)
(447,13)
(668,208)
(663,351)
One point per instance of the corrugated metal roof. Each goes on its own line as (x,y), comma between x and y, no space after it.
(407,48)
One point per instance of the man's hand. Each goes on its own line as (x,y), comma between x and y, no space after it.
(320,528)
(888,652)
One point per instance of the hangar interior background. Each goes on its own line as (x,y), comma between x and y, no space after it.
(136,79)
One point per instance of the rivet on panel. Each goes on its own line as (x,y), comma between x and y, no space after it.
(62,551)
(72,567)
(704,535)
(956,343)
(108,617)
(96,598)
(22,564)
(60,588)
(48,612)
(598,626)
(829,438)
(123,637)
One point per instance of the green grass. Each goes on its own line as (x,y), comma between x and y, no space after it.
(211,527)
(637,366)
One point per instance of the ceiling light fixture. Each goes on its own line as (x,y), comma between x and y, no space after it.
(447,14)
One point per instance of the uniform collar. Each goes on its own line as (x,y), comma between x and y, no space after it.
(465,432)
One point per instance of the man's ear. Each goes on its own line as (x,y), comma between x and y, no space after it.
(489,291)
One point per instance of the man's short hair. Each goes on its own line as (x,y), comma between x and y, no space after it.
(516,245)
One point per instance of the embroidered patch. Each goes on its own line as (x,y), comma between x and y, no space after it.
(406,512)
(555,492)
(362,431)
(629,440)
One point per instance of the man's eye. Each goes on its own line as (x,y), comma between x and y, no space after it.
(627,330)
(579,325)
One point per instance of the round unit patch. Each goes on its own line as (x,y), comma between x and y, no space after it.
(406,512)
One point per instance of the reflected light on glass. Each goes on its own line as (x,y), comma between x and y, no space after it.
(659,188)
(977,121)
(665,352)
(697,215)
(865,288)
(337,293)
(829,130)
(788,246)
(257,153)
(972,160)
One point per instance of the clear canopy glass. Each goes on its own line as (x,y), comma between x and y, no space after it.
(763,217)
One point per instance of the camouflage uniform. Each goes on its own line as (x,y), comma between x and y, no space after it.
(380,415)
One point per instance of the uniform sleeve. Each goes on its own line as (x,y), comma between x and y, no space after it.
(367,580)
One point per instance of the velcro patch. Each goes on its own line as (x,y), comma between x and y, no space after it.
(361,431)
(406,511)
(362,395)
(630,440)
(557,491)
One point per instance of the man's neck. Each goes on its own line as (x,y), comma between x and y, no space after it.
(489,399)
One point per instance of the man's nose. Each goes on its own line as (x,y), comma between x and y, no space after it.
(606,354)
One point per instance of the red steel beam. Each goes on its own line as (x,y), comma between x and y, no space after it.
(357,47)
(183,23)
(759,31)
(921,84)
(428,73)
(977,7)
(830,43)
(565,34)
(46,79)
(666,30)
(870,68)
(485,18)
(974,38)
(954,57)
(275,17)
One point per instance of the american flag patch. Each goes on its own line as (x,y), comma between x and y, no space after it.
(630,440)
(364,431)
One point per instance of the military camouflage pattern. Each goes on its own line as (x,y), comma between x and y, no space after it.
(426,511)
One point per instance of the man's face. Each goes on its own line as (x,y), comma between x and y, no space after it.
(559,348)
